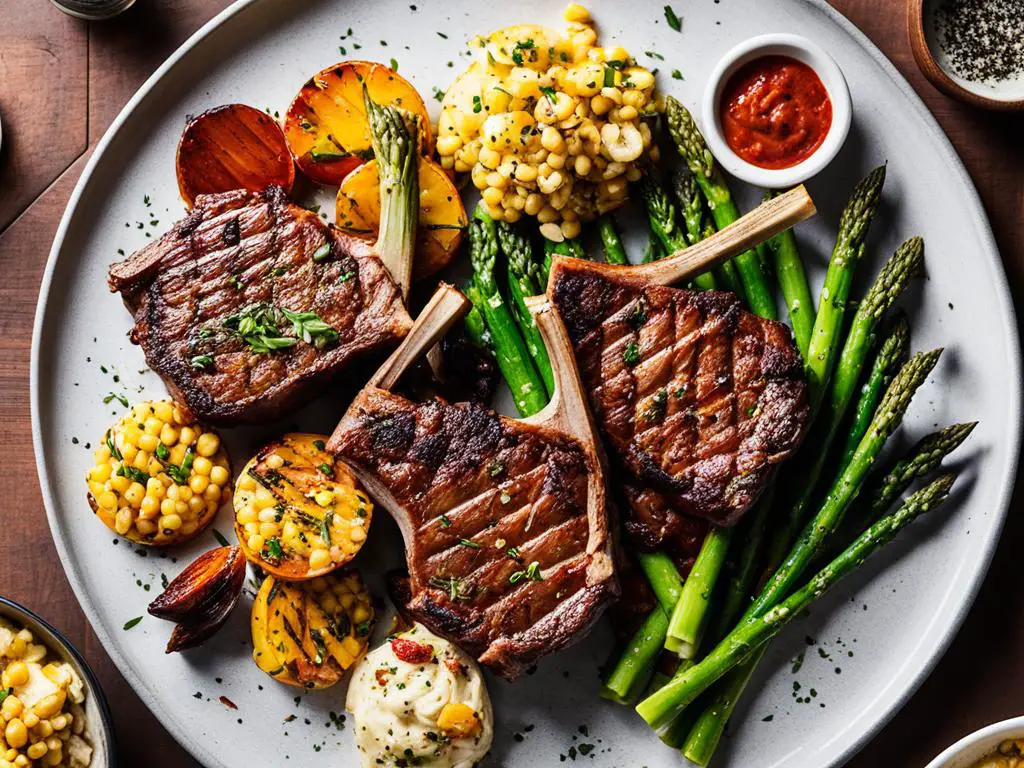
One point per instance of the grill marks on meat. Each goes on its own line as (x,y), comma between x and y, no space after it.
(235,250)
(482,498)
(699,399)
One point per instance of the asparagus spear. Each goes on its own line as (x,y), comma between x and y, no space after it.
(789,270)
(625,679)
(853,230)
(687,623)
(614,252)
(476,328)
(659,709)
(661,214)
(394,132)
(523,274)
(551,249)
(654,249)
(887,417)
(691,205)
(698,157)
(509,348)
(890,357)
(888,285)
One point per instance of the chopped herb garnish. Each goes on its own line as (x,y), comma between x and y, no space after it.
(477,104)
(631,354)
(112,447)
(133,474)
(677,75)
(114,396)
(496,468)
(532,572)
(132,623)
(550,94)
(655,55)
(326,155)
(257,325)
(327,469)
(161,452)
(394,64)
(673,21)
(451,585)
(445,522)
(180,474)
(310,328)
(322,253)
(637,315)
(609,77)
(273,549)
(438,94)
(320,445)
(442,35)
(469,544)
(201,362)
(325,527)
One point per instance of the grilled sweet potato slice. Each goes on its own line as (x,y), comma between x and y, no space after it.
(442,217)
(307,634)
(234,146)
(326,126)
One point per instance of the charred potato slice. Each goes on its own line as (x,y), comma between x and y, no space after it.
(442,217)
(159,478)
(326,126)
(299,513)
(308,633)
(232,147)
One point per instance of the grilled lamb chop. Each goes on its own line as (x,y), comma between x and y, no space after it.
(698,399)
(251,303)
(505,522)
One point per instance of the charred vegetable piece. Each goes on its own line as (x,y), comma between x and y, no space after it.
(232,147)
(159,477)
(200,598)
(442,217)
(326,126)
(299,513)
(307,634)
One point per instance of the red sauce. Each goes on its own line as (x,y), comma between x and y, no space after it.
(775,112)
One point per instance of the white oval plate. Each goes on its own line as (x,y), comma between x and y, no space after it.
(883,629)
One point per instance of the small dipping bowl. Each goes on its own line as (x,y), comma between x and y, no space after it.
(802,50)
(923,28)
(99,728)
(982,743)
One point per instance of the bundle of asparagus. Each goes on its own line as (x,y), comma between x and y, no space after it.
(833,506)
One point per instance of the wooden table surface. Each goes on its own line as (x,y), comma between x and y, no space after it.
(62,81)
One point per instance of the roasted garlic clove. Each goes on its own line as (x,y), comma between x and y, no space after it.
(200,598)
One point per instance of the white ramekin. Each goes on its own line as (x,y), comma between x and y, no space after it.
(803,50)
(979,744)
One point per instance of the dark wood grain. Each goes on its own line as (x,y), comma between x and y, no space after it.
(63,81)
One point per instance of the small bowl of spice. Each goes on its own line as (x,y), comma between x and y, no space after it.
(776,110)
(972,50)
(1000,745)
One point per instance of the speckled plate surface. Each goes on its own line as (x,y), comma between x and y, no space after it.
(874,639)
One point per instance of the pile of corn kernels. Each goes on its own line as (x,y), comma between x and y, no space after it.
(549,126)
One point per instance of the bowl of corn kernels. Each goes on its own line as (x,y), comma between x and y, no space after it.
(1000,745)
(52,710)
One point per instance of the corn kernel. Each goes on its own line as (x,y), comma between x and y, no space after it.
(208,444)
(319,559)
(170,522)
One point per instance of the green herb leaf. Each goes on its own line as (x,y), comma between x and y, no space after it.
(631,354)
(320,445)
(114,396)
(438,94)
(112,447)
(673,20)
(655,55)
(201,362)
(609,77)
(310,328)
(394,64)
(469,544)
(445,522)
(132,623)
(273,549)
(325,527)
(677,75)
(549,93)
(477,104)
(322,253)
(326,156)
